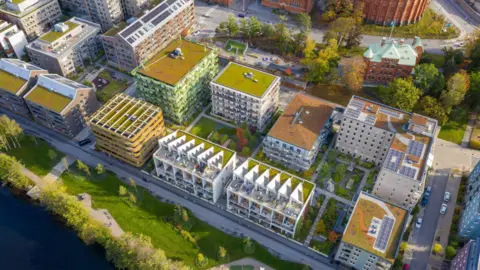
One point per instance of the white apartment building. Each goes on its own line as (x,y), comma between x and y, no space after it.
(129,45)
(67,47)
(398,141)
(269,197)
(12,40)
(133,8)
(104,12)
(195,165)
(298,135)
(245,95)
(34,17)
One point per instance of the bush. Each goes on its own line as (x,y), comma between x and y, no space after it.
(437,248)
(188,237)
(450,252)
(474,144)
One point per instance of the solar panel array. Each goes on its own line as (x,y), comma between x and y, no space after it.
(370,119)
(161,18)
(354,108)
(384,234)
(393,160)
(154,12)
(408,171)
(129,30)
(415,148)
(352,113)
(390,112)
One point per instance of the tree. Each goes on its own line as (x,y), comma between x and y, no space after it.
(309,49)
(245,151)
(304,22)
(428,79)
(232,25)
(200,260)
(133,184)
(455,91)
(401,93)
(325,170)
(122,191)
(248,246)
(82,167)
(215,136)
(450,252)
(9,129)
(131,198)
(321,228)
(339,29)
(431,107)
(87,83)
(11,172)
(51,154)
(267,30)
(92,232)
(437,248)
(250,27)
(403,246)
(339,173)
(353,75)
(320,67)
(455,54)
(473,94)
(222,253)
(332,236)
(185,217)
(282,35)
(100,169)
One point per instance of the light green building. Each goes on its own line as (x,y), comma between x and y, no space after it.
(176,79)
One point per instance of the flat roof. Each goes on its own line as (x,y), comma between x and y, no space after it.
(48,99)
(53,35)
(302,121)
(166,69)
(115,29)
(234,76)
(376,226)
(10,82)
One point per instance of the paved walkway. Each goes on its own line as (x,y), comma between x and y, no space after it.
(101,215)
(58,169)
(245,261)
(469,130)
(198,118)
(317,219)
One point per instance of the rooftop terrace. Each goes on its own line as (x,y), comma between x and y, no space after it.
(49,99)
(53,35)
(115,29)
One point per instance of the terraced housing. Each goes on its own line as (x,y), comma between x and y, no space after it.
(127,129)
(194,165)
(268,196)
(176,79)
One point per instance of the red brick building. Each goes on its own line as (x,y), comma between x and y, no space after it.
(391,59)
(385,11)
(294,6)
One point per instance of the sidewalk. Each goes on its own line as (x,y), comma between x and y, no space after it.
(243,262)
(317,219)
(56,171)
(469,130)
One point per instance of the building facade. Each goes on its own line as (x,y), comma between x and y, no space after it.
(297,6)
(128,46)
(245,95)
(386,12)
(176,79)
(389,59)
(194,165)
(106,13)
(468,258)
(269,197)
(128,129)
(398,141)
(470,221)
(133,8)
(61,104)
(373,234)
(65,49)
(34,17)
(16,79)
(12,40)
(298,135)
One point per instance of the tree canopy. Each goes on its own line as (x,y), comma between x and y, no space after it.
(428,79)
(431,107)
(401,93)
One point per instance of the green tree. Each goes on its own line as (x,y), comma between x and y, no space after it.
(321,228)
(401,93)
(428,79)
(455,54)
(246,151)
(325,170)
(87,83)
(450,252)
(122,191)
(339,30)
(133,184)
(282,35)
(304,22)
(200,260)
(431,107)
(222,253)
(250,27)
(232,27)
(473,93)
(51,154)
(82,167)
(455,91)
(339,173)
(309,49)
(353,74)
(131,198)
(11,172)
(215,136)
(268,30)
(248,246)
(100,169)
(93,232)
(437,248)
(9,129)
(320,67)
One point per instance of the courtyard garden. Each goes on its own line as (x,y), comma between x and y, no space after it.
(236,47)
(305,224)
(454,129)
(108,86)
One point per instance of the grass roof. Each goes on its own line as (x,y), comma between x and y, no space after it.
(166,69)
(17,1)
(54,35)
(48,99)
(307,189)
(10,82)
(115,29)
(233,76)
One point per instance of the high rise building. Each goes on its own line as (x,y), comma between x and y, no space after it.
(470,221)
(398,12)
(12,40)
(468,258)
(106,13)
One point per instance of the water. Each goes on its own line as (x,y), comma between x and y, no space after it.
(31,238)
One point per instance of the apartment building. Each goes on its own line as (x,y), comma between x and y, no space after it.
(245,95)
(128,129)
(468,258)
(386,12)
(194,165)
(470,221)
(12,40)
(66,48)
(373,234)
(269,197)
(128,45)
(398,141)
(133,8)
(300,132)
(391,59)
(61,104)
(34,17)
(106,13)
(297,6)
(176,79)
(16,79)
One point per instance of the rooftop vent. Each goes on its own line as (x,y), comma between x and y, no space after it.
(176,53)
(60,27)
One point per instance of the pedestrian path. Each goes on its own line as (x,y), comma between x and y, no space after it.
(317,219)
(244,262)
(58,169)
(469,130)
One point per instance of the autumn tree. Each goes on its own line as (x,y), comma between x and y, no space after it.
(455,91)
(122,191)
(326,62)
(332,236)
(431,107)
(353,75)
(100,169)
(82,167)
(222,253)
(437,248)
(321,228)
(401,93)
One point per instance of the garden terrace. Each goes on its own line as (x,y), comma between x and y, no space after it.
(54,35)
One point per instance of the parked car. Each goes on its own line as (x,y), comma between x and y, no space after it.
(443,210)
(406,266)
(196,32)
(419,223)
(446,197)
(241,15)
(424,201)
(84,142)
(428,190)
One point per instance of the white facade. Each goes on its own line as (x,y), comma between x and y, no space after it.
(12,40)
(104,12)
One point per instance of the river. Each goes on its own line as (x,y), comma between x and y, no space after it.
(32,239)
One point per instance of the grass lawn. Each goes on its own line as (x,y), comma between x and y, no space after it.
(114,87)
(343,192)
(33,155)
(205,126)
(337,94)
(454,129)
(235,47)
(437,59)
(323,247)
(154,219)
(429,26)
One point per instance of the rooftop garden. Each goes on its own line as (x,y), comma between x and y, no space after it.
(115,29)
(236,47)
(48,99)
(54,35)
(11,83)
(113,87)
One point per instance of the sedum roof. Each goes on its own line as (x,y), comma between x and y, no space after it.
(115,29)
(48,99)
(54,35)
(10,82)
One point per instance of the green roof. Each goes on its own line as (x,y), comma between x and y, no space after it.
(307,189)
(170,70)
(54,35)
(17,1)
(10,82)
(115,29)
(233,76)
(48,99)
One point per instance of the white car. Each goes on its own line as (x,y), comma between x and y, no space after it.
(446,197)
(196,32)
(443,210)
(419,223)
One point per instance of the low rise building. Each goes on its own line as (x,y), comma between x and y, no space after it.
(373,234)
(128,129)
(34,17)
(398,141)
(470,222)
(176,79)
(106,13)
(65,49)
(468,258)
(61,104)
(299,133)
(127,46)
(194,165)
(245,95)
(298,6)
(16,79)
(269,197)
(12,40)
(391,59)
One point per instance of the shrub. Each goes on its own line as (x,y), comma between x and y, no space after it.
(188,237)
(437,248)
(474,144)
(450,252)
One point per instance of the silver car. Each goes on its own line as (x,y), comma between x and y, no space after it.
(443,210)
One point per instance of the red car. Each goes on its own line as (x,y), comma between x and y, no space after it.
(406,266)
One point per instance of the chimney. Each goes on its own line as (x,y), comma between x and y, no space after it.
(383,41)
(414,39)
(402,41)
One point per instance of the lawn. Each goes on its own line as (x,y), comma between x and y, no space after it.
(429,26)
(205,126)
(454,129)
(437,59)
(343,192)
(323,247)
(235,47)
(114,87)
(337,94)
(154,219)
(33,154)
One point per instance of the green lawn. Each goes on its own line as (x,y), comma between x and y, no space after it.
(235,47)
(454,129)
(437,59)
(343,192)
(429,26)
(323,247)
(205,126)
(33,155)
(153,218)
(337,94)
(111,89)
